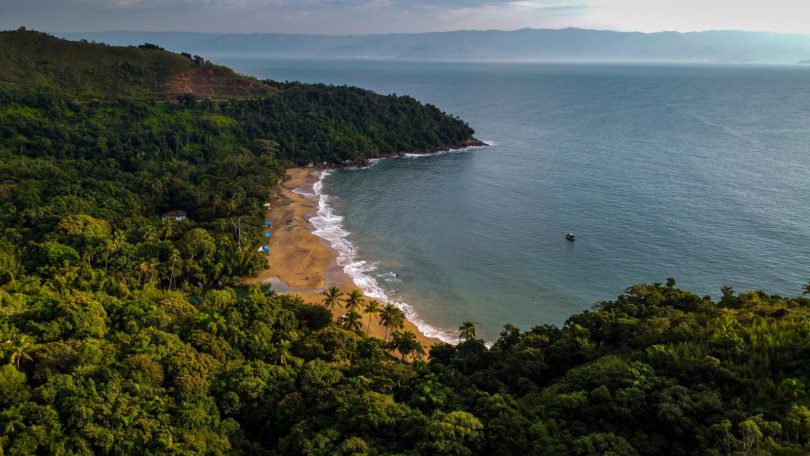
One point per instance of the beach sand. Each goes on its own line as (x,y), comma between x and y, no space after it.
(305,263)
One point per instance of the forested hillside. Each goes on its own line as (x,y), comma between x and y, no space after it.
(37,61)
(122,332)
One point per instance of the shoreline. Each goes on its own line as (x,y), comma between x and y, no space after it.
(473,143)
(302,263)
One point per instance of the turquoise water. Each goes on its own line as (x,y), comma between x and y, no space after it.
(695,172)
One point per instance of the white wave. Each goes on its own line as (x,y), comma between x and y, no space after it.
(450,151)
(371,162)
(390,277)
(328,225)
(303,192)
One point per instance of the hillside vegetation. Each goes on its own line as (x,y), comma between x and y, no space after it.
(37,61)
(123,333)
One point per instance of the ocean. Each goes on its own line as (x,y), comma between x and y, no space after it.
(697,172)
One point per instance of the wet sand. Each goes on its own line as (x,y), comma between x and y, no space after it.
(303,262)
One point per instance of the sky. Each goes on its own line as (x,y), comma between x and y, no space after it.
(386,16)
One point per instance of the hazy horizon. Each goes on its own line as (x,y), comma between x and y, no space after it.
(364,17)
(528,44)
(482,30)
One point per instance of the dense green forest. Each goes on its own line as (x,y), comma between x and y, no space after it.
(124,333)
(38,61)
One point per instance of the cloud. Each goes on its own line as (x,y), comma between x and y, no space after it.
(789,16)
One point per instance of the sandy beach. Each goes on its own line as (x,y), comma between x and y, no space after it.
(302,263)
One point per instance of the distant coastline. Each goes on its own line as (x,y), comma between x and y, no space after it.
(549,45)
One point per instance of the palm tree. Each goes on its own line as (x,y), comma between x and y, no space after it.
(217,199)
(153,271)
(174,257)
(150,234)
(12,420)
(213,322)
(111,245)
(282,352)
(143,268)
(467,331)
(351,321)
(108,247)
(331,298)
(168,228)
(391,318)
(406,343)
(353,301)
(19,348)
(373,307)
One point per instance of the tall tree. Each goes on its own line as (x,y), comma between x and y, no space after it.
(372,308)
(331,298)
(282,352)
(117,240)
(11,420)
(143,268)
(392,318)
(351,321)
(174,258)
(406,344)
(19,349)
(354,301)
(467,331)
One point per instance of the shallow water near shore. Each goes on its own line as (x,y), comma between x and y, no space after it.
(694,172)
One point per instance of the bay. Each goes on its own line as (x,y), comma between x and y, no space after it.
(697,172)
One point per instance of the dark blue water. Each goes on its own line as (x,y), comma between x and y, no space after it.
(701,173)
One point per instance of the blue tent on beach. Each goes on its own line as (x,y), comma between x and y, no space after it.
(267,234)
(266,249)
(268,223)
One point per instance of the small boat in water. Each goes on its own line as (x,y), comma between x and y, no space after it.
(570,237)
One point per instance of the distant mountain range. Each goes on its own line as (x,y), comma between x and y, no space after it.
(527,44)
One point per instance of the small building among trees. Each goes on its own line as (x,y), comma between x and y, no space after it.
(177,215)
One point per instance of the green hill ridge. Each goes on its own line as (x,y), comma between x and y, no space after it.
(38,61)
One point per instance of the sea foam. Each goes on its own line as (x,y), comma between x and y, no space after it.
(450,151)
(373,161)
(329,226)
